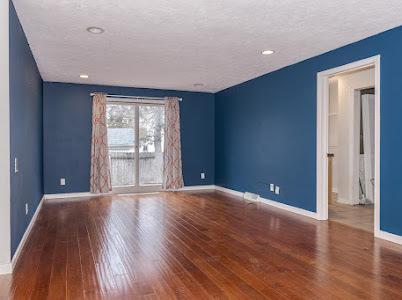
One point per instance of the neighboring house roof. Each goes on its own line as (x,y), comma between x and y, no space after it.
(120,136)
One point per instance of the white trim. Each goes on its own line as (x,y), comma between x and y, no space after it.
(397,239)
(228,191)
(377,146)
(69,195)
(276,204)
(197,187)
(296,210)
(322,135)
(6,269)
(5,222)
(27,232)
(355,148)
(88,194)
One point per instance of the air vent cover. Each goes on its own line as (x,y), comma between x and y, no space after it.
(251,197)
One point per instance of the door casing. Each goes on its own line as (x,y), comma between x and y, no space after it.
(322,136)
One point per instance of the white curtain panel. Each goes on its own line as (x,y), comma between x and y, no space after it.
(172,165)
(100,181)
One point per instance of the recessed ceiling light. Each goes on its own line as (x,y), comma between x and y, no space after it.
(95,30)
(198,84)
(85,76)
(268,52)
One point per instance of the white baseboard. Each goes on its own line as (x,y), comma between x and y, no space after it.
(397,239)
(296,210)
(69,195)
(6,269)
(88,194)
(17,253)
(197,187)
(276,204)
(228,191)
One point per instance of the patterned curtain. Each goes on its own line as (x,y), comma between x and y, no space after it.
(172,171)
(100,181)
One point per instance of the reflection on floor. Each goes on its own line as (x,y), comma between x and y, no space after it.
(196,245)
(357,216)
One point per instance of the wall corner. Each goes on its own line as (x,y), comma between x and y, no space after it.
(5,223)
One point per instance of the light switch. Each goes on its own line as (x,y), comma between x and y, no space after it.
(272,187)
(62,181)
(202,175)
(15,165)
(277,190)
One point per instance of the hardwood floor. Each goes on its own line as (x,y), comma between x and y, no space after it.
(197,246)
(357,216)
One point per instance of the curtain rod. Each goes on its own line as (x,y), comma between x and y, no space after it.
(134,97)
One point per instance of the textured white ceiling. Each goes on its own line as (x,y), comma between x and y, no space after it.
(173,44)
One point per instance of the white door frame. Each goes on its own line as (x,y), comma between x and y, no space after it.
(322,136)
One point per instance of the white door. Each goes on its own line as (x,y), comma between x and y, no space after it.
(135,137)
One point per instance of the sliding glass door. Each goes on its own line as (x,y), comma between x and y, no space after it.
(151,142)
(136,141)
(122,144)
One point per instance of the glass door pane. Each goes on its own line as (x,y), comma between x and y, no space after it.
(121,139)
(151,143)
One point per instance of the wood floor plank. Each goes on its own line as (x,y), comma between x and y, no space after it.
(197,245)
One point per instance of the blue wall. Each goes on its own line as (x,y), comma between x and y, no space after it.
(266,128)
(67,110)
(26,131)
(259,132)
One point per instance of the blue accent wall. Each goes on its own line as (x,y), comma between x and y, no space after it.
(26,131)
(245,137)
(67,110)
(266,128)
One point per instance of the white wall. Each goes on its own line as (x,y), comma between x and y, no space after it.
(5,240)
(348,132)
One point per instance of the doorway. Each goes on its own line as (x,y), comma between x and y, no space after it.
(348,135)
(351,148)
(136,143)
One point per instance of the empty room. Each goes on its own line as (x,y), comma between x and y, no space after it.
(200,149)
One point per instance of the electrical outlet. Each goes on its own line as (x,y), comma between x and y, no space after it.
(272,187)
(26,208)
(202,175)
(16,165)
(277,190)
(62,181)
